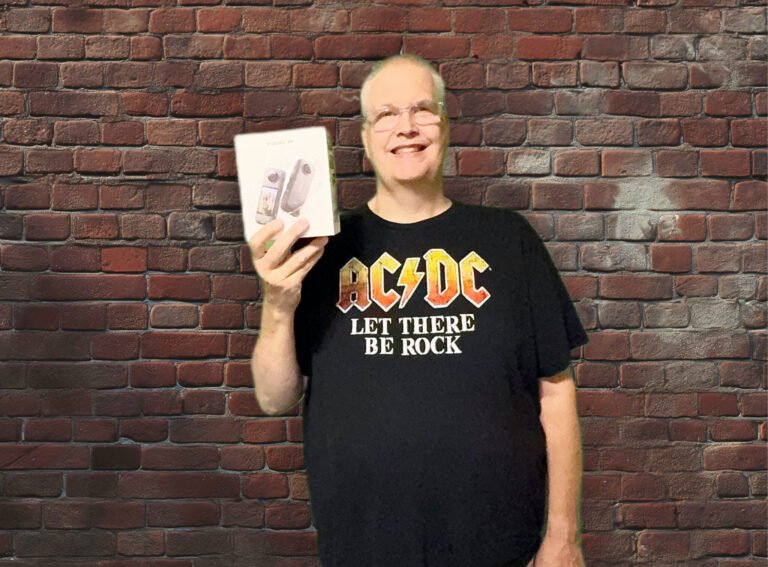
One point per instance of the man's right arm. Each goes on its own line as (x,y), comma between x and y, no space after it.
(277,380)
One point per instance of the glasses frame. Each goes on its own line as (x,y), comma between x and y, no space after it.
(412,109)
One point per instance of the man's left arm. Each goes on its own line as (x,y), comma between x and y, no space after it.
(561,546)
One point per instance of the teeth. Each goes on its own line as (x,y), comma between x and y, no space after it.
(408,149)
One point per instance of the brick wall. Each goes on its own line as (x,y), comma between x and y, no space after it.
(632,134)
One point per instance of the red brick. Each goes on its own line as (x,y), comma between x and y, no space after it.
(741,514)
(291,47)
(63,287)
(179,458)
(148,430)
(130,133)
(27,196)
(81,75)
(125,21)
(663,545)
(11,103)
(127,316)
(193,46)
(675,163)
(288,516)
(185,287)
(658,132)
(124,259)
(28,20)
(35,456)
(32,75)
(379,18)
(437,47)
(597,20)
(77,20)
(171,514)
(34,484)
(276,20)
(196,542)
(49,161)
(171,132)
(725,163)
(94,430)
(245,403)
(40,317)
(94,225)
(61,47)
(76,132)
(656,76)
(46,227)
(178,485)
(194,374)
(204,402)
(205,430)
(116,457)
(751,132)
(671,257)
(24,257)
(220,74)
(548,47)
(152,374)
(142,543)
(128,75)
(481,162)
(244,514)
(428,19)
(713,403)
(576,163)
(333,103)
(243,458)
(97,161)
(247,47)
(483,103)
(265,485)
(73,197)
(107,47)
(540,20)
(727,103)
(17,47)
(57,429)
(218,19)
(72,104)
(182,345)
(189,104)
(28,132)
(221,316)
(351,46)
(555,74)
(172,20)
(626,163)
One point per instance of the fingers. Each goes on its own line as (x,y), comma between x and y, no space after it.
(258,242)
(304,259)
(283,243)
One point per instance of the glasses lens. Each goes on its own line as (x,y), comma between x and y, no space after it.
(427,114)
(424,113)
(386,120)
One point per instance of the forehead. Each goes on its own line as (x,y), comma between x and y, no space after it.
(400,84)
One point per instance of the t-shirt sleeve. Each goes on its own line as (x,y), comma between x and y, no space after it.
(555,324)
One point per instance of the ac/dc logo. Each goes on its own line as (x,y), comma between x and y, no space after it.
(446,279)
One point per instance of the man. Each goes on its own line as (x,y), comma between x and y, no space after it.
(440,421)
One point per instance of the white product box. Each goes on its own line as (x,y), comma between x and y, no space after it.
(287,174)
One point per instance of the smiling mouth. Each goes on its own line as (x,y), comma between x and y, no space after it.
(409,149)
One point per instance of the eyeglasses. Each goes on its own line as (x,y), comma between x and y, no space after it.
(423,113)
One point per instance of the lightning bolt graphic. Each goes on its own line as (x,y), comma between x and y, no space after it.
(409,279)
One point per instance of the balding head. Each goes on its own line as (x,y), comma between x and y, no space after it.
(395,60)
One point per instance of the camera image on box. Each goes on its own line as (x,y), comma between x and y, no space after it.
(290,199)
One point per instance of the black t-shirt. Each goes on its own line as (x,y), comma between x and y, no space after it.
(424,343)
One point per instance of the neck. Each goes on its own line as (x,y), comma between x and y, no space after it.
(408,204)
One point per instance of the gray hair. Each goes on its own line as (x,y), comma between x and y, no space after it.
(437,80)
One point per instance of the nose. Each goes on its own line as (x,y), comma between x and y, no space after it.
(410,124)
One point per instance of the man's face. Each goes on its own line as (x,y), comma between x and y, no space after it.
(409,153)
